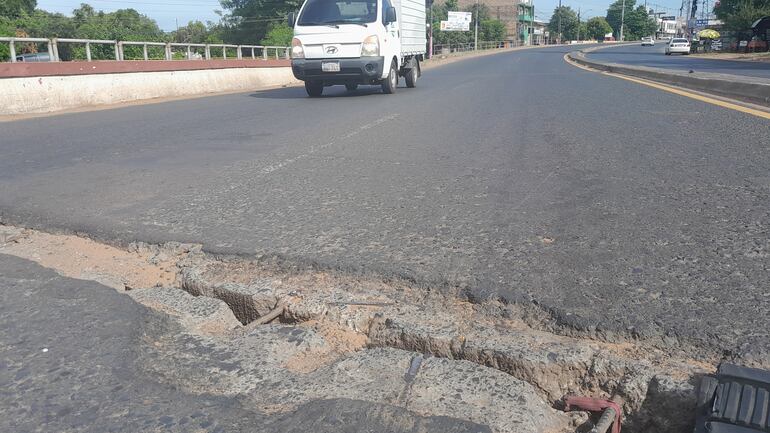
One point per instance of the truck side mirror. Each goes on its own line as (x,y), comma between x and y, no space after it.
(292,19)
(390,15)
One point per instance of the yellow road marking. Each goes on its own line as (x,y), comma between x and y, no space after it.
(680,92)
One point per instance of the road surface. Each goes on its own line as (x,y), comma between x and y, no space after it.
(654,57)
(618,209)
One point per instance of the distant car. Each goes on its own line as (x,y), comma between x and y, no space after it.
(34,57)
(648,41)
(678,45)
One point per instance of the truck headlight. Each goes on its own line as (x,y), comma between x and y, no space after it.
(297,52)
(371,46)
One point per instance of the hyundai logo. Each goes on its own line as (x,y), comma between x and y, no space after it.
(331,50)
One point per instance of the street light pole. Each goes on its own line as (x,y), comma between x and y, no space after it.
(476,35)
(622,19)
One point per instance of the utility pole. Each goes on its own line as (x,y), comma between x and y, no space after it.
(622,19)
(476,35)
(578,29)
(430,35)
(560,14)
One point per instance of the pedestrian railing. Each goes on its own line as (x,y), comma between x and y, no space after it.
(470,46)
(84,49)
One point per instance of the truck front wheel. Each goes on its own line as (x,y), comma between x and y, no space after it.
(314,89)
(390,83)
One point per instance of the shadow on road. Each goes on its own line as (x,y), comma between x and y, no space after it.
(329,92)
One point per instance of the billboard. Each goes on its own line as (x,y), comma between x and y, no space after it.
(457,22)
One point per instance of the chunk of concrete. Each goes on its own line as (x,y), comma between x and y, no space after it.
(198,314)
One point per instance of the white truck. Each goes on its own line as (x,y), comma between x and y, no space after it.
(354,42)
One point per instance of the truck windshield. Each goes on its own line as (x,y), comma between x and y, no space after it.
(320,12)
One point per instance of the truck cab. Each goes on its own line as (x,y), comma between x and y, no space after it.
(356,42)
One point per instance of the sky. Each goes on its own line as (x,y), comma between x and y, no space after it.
(168,12)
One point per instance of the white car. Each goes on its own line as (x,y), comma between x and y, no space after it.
(648,41)
(678,45)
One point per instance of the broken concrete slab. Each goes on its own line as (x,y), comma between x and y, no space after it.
(200,314)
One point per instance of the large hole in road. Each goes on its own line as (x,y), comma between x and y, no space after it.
(657,387)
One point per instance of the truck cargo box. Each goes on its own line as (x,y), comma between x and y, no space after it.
(411,16)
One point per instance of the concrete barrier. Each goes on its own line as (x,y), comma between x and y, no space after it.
(748,89)
(45,94)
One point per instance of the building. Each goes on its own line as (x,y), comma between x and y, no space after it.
(540,33)
(526,21)
(668,27)
(517,15)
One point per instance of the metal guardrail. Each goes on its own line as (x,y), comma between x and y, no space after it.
(241,51)
(470,46)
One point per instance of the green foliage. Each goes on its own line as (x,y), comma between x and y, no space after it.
(739,15)
(6,29)
(638,23)
(196,32)
(16,8)
(87,23)
(489,29)
(597,27)
(440,13)
(492,30)
(279,35)
(250,20)
(569,23)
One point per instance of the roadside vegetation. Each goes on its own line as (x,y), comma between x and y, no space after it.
(739,15)
(490,29)
(239,24)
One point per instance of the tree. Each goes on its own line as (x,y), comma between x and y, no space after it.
(16,8)
(739,15)
(615,13)
(195,32)
(492,30)
(279,35)
(637,23)
(440,13)
(640,24)
(249,20)
(597,27)
(6,29)
(569,23)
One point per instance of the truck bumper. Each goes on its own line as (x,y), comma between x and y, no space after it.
(363,70)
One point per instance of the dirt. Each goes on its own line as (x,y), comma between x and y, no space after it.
(746,57)
(340,342)
(85,259)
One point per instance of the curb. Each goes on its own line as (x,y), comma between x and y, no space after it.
(749,89)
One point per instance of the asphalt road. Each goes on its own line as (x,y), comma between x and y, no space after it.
(654,57)
(617,208)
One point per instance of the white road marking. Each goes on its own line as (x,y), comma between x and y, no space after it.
(316,148)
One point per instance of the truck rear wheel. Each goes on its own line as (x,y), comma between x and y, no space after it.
(390,83)
(411,78)
(314,89)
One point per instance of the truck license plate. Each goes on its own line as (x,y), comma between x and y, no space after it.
(330,66)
